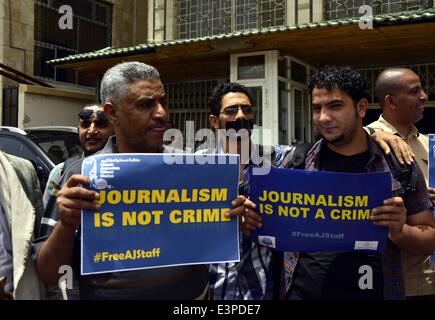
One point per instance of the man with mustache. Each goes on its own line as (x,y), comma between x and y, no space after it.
(232,107)
(133,99)
(94,129)
(256,276)
(402,98)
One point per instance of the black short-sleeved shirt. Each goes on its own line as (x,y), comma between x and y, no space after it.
(335,275)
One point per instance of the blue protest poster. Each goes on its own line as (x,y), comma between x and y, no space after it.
(431,160)
(156,214)
(319,211)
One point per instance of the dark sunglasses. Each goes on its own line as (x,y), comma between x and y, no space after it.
(100,121)
(232,110)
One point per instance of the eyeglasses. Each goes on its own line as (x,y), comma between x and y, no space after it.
(232,110)
(86,117)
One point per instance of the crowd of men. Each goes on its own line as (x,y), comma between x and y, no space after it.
(36,242)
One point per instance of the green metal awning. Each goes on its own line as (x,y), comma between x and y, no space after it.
(417,16)
(404,37)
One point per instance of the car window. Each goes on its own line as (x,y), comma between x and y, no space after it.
(24,148)
(15,147)
(56,150)
(58,146)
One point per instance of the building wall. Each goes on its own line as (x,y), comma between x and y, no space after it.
(35,103)
(129,28)
(129,25)
(304,11)
(16,38)
(17,34)
(162,21)
(317,11)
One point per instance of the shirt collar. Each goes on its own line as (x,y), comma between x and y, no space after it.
(254,156)
(388,127)
(374,151)
(111,147)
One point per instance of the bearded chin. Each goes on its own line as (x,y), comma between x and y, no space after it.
(337,140)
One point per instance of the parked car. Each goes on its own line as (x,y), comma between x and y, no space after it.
(59,143)
(43,146)
(18,144)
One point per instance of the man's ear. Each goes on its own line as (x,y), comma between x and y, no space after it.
(389,102)
(112,113)
(361,107)
(214,121)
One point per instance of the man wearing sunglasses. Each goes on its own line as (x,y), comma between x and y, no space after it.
(231,107)
(254,277)
(94,129)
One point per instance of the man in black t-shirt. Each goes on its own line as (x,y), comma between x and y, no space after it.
(339,103)
(334,275)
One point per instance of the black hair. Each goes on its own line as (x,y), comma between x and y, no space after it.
(344,78)
(216,94)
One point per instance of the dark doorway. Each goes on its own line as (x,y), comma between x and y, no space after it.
(10,106)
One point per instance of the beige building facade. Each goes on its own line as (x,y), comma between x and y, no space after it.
(30,34)
(272,46)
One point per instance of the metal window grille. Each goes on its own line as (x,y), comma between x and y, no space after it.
(92,21)
(339,9)
(426,73)
(198,18)
(187,101)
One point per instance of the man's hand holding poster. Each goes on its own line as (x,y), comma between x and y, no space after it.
(319,211)
(157,214)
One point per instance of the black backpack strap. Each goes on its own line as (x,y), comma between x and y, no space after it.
(404,173)
(262,151)
(277,268)
(299,156)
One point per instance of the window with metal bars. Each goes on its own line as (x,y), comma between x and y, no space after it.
(187,101)
(92,21)
(199,18)
(339,9)
(426,73)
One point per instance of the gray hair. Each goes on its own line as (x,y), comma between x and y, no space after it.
(119,78)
